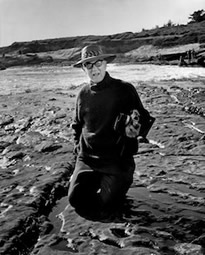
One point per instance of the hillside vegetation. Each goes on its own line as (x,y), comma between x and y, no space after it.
(147,45)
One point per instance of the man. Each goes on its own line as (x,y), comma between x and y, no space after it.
(109,117)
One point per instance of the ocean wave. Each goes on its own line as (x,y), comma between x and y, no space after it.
(20,79)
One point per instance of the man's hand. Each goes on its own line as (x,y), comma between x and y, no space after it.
(132,128)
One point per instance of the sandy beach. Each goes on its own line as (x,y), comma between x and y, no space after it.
(164,212)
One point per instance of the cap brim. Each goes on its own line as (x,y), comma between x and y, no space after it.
(108,57)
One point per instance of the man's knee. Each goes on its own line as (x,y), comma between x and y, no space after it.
(83,197)
(114,188)
(77,194)
(73,198)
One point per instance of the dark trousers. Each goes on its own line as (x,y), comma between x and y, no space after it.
(98,185)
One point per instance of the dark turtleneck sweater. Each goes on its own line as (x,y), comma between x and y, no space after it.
(97,107)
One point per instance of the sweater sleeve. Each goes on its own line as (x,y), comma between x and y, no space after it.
(77,125)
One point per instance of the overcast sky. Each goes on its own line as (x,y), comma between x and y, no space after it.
(26,20)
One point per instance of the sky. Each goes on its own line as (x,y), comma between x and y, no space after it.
(27,20)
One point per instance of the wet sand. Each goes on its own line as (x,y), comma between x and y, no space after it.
(164,211)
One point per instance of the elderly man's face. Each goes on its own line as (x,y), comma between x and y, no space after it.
(95,70)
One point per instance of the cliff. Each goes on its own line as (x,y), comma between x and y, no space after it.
(159,45)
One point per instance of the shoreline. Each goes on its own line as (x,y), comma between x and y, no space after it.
(36,163)
(17,79)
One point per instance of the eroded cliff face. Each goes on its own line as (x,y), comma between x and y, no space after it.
(129,47)
(143,54)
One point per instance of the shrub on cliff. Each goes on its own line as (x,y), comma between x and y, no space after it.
(191,37)
(165,41)
(201,38)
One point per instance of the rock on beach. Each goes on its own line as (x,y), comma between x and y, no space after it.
(164,211)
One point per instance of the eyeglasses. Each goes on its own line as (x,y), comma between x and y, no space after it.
(97,63)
